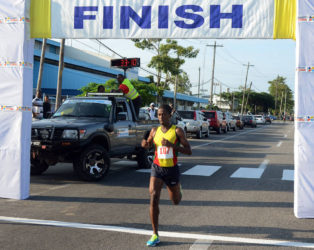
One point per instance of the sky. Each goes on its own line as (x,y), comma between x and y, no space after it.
(269,57)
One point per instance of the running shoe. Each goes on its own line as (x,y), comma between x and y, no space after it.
(153,241)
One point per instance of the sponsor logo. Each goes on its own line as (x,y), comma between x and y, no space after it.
(14,108)
(306,69)
(193,16)
(306,19)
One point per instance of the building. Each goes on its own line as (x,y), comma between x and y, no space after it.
(82,67)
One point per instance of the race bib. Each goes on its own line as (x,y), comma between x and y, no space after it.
(164,152)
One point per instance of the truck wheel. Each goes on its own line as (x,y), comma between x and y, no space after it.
(37,167)
(144,158)
(93,163)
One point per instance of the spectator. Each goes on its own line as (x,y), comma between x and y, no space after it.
(46,107)
(37,104)
(130,92)
(101,89)
(175,117)
(152,111)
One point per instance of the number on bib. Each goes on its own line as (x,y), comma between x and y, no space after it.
(164,152)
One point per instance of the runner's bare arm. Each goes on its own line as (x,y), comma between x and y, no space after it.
(149,142)
(185,148)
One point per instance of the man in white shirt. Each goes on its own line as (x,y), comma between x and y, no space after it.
(37,108)
(152,111)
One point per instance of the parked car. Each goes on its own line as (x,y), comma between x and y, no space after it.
(231,123)
(249,120)
(267,119)
(272,117)
(239,122)
(260,119)
(195,122)
(216,120)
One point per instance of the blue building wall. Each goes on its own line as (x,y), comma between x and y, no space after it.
(72,80)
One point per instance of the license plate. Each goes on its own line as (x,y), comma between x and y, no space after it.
(36,143)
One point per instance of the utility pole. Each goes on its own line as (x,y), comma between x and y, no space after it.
(175,93)
(220,94)
(60,71)
(199,84)
(285,101)
(276,98)
(243,98)
(41,65)
(281,102)
(247,99)
(213,73)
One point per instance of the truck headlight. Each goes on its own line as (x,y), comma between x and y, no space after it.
(70,134)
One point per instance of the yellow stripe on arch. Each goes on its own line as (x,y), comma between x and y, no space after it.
(40,19)
(285,19)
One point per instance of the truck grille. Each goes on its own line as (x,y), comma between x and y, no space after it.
(46,134)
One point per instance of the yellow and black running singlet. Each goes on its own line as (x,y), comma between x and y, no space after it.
(165,156)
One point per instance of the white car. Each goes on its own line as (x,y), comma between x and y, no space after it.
(194,122)
(260,119)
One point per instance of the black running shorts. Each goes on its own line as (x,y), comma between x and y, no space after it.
(170,175)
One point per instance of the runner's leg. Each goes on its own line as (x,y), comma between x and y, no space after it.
(155,187)
(175,193)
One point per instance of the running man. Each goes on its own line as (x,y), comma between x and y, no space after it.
(166,139)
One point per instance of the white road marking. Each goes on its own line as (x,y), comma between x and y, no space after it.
(53,188)
(201,245)
(161,233)
(251,173)
(279,144)
(248,173)
(125,163)
(149,170)
(144,171)
(264,164)
(285,135)
(227,138)
(202,170)
(288,175)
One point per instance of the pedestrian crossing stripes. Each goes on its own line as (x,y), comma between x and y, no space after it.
(248,173)
(288,175)
(202,170)
(209,170)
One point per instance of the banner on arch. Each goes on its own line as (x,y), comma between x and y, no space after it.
(243,19)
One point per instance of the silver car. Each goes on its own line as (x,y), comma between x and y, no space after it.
(195,122)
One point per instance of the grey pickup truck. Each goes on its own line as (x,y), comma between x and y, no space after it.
(88,131)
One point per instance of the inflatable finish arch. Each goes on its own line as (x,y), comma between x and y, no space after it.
(232,19)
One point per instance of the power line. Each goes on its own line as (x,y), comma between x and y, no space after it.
(124,57)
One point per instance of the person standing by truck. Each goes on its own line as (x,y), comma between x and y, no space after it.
(130,92)
(166,139)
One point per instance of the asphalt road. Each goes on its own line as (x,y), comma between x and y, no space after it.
(237,194)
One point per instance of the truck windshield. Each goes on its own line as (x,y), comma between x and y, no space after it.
(84,108)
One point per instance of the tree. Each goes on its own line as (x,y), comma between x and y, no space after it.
(155,46)
(184,84)
(146,91)
(90,87)
(260,102)
(163,62)
(279,88)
